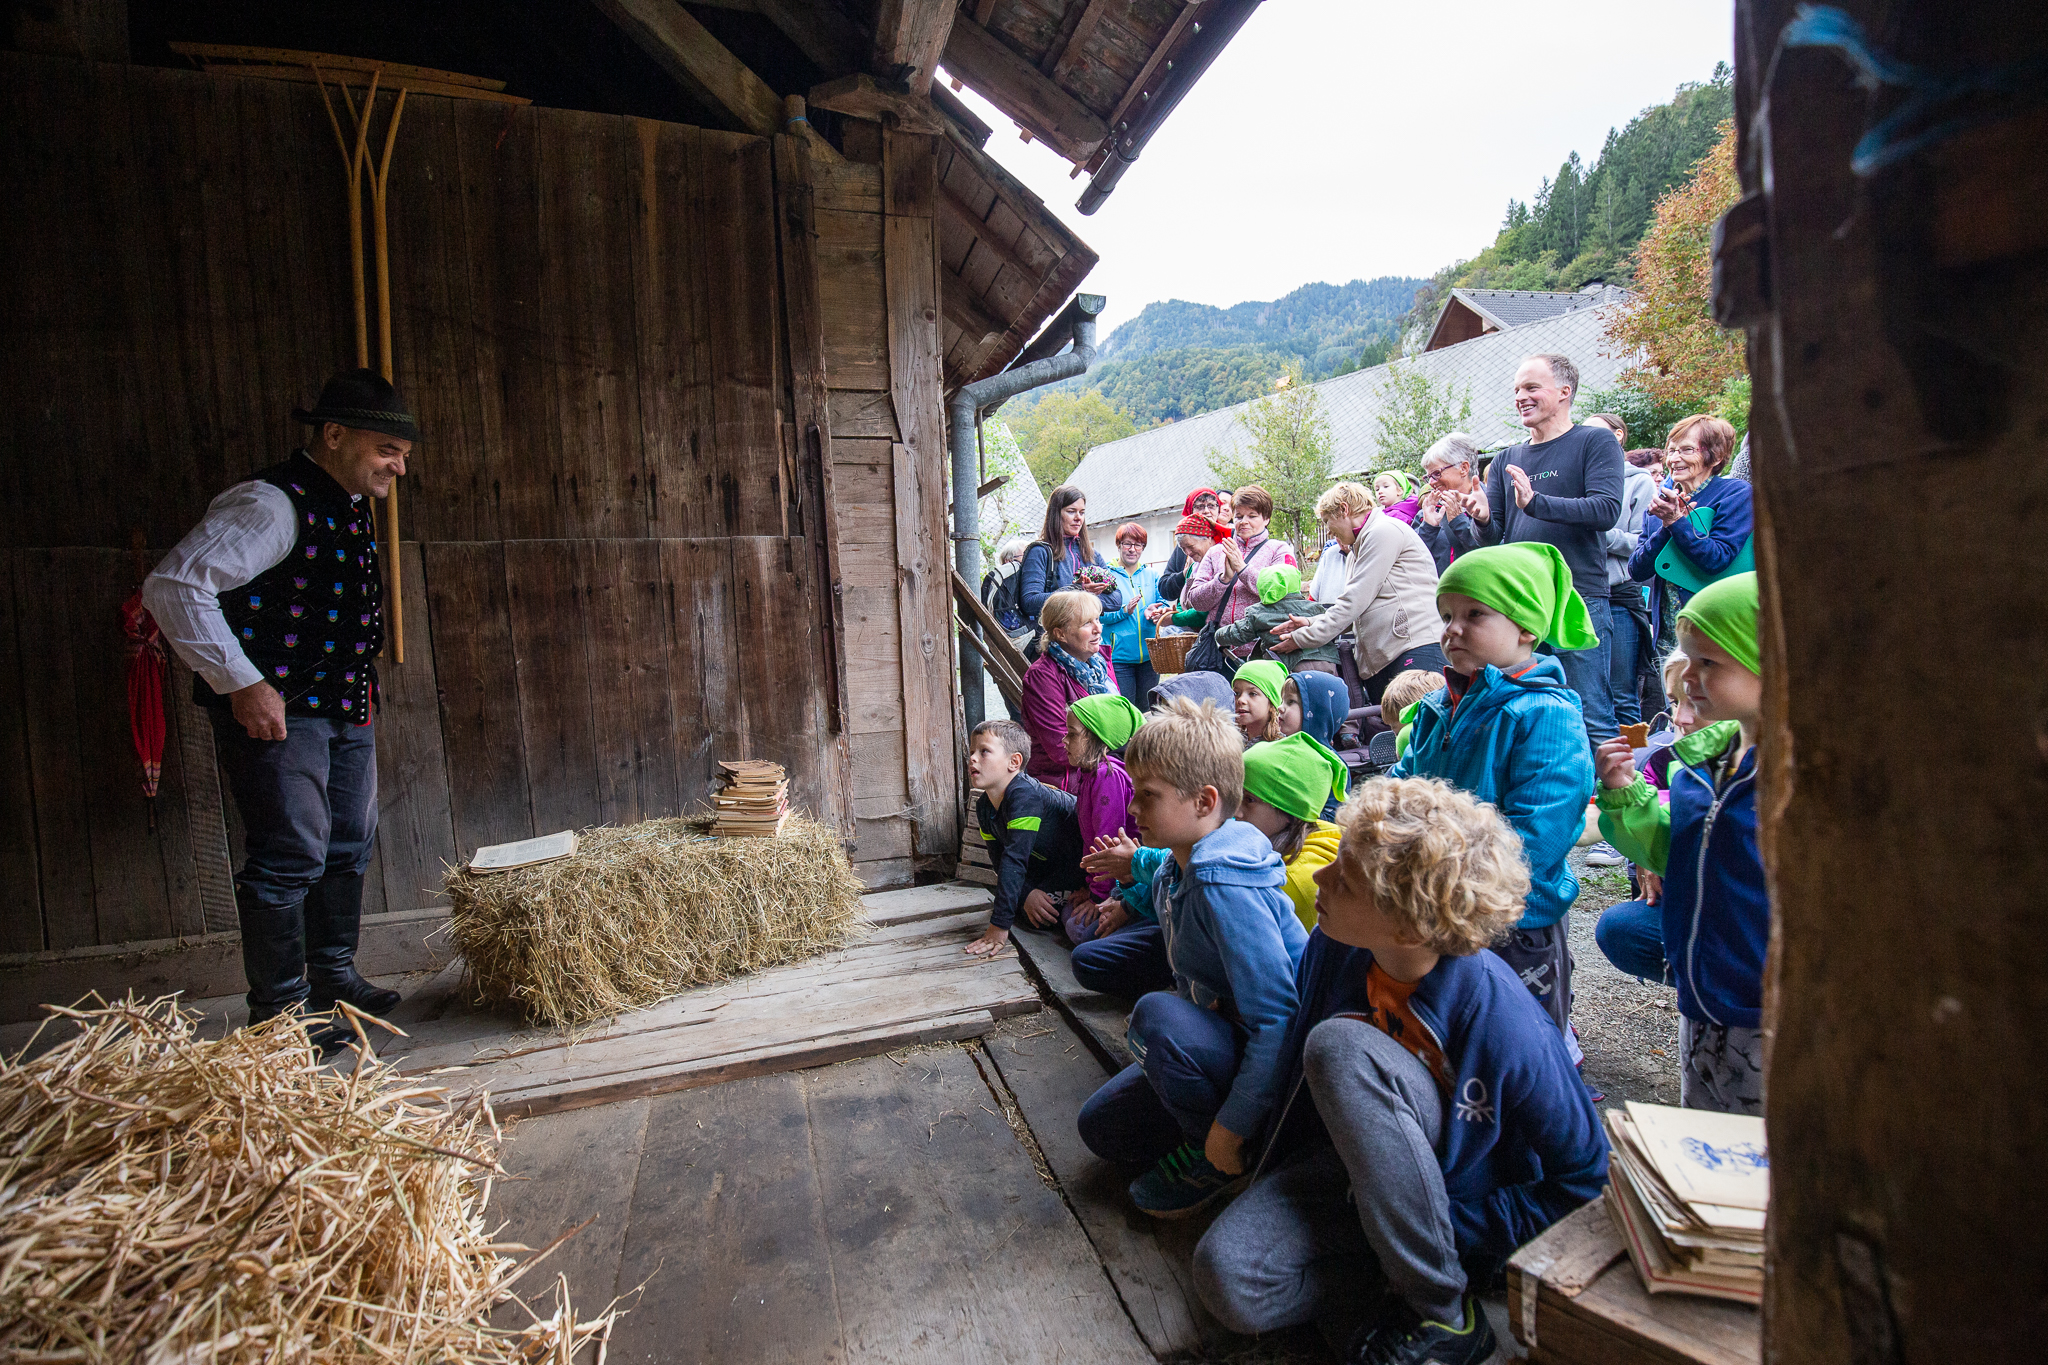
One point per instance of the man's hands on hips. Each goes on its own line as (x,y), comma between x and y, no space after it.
(259,709)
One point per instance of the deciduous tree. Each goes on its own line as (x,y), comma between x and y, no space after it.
(1287,446)
(1062,427)
(1686,357)
(1414,411)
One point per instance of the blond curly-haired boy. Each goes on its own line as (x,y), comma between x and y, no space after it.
(1443,1124)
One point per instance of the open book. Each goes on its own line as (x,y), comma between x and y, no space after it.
(524,852)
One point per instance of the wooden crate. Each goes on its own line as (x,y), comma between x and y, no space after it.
(1574,1299)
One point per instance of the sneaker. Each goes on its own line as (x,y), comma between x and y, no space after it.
(1406,1340)
(1604,854)
(1183,1183)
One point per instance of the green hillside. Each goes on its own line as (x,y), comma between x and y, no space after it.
(1177,359)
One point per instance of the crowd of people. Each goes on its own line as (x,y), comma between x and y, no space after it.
(1351,989)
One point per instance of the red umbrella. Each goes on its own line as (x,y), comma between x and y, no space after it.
(146,664)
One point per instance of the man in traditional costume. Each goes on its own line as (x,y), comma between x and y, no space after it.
(276,603)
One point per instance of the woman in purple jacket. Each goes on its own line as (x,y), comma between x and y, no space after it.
(1072,667)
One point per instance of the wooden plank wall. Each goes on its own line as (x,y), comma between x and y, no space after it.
(620,540)
(878,285)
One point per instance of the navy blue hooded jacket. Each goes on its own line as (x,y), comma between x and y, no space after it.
(1325,703)
(1522,1145)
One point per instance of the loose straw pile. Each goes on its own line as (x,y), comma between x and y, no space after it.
(172,1200)
(641,912)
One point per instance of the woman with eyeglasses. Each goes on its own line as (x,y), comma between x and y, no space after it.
(1698,529)
(1173,578)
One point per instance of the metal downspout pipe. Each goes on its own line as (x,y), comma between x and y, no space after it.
(1037,367)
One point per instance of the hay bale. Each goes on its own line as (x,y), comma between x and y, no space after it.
(168,1199)
(643,911)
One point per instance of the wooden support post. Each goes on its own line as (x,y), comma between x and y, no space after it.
(686,50)
(909,36)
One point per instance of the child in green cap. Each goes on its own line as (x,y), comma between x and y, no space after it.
(1507,729)
(1716,909)
(1256,686)
(1287,785)
(1280,597)
(1102,804)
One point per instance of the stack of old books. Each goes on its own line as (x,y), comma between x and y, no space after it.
(753,802)
(1688,1190)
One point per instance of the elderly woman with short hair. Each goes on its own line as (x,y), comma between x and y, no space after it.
(1229,574)
(1451,467)
(1389,596)
(1071,667)
(1705,519)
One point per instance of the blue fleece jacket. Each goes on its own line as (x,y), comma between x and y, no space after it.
(1522,1144)
(1233,942)
(1716,909)
(1519,743)
(1734,522)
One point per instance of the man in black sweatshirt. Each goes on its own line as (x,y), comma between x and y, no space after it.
(1562,487)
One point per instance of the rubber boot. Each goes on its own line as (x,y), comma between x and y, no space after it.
(334,925)
(273,955)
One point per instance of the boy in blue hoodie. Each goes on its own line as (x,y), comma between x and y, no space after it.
(1506,729)
(1435,1094)
(1716,908)
(1210,1051)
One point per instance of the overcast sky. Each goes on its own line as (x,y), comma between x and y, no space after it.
(1342,139)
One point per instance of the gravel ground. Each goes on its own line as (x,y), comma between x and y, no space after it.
(1627,1027)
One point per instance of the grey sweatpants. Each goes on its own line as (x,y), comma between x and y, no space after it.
(1295,1248)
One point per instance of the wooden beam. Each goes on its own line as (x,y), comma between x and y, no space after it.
(1061,57)
(1022,91)
(909,36)
(965,311)
(820,31)
(1137,86)
(862,96)
(687,51)
(955,208)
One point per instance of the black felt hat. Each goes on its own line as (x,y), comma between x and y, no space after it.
(363,399)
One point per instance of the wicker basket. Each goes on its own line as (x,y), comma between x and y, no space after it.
(1170,652)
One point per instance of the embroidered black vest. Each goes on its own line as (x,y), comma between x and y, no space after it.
(313,623)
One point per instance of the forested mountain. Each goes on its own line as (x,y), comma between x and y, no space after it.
(1177,359)
(1584,224)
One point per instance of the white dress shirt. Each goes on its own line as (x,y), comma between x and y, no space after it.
(246,531)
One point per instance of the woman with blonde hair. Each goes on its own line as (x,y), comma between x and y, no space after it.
(1071,667)
(1389,595)
(1698,530)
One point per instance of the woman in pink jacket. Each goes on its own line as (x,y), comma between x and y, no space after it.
(1234,565)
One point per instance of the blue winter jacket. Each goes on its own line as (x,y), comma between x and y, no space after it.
(1734,522)
(1519,743)
(1045,574)
(1716,910)
(1522,1145)
(1125,629)
(1233,942)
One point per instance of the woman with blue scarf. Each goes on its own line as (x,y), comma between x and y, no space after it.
(1070,668)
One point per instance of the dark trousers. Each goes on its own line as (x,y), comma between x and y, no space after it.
(309,805)
(1543,959)
(1429,658)
(1624,663)
(1187,1058)
(1125,964)
(1136,681)
(1585,672)
(1631,936)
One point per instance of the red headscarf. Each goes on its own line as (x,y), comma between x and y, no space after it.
(1187,509)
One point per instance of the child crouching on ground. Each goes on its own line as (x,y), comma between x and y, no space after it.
(1030,829)
(1102,804)
(1716,912)
(1443,1125)
(1280,597)
(1256,690)
(1506,729)
(1402,693)
(1287,786)
(1195,1105)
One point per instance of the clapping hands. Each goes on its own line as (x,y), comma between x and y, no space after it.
(1108,857)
